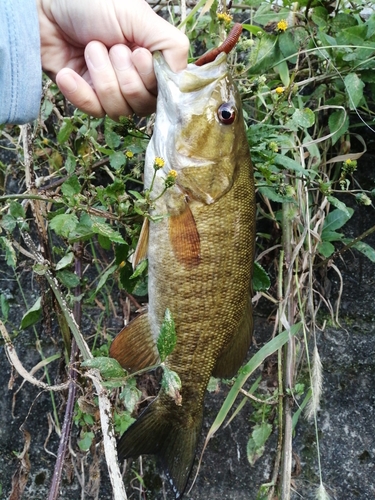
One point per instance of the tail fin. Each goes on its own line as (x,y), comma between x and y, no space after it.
(164,429)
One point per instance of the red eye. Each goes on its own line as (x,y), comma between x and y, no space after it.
(226,113)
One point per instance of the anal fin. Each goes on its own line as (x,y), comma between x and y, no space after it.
(234,354)
(134,347)
(184,237)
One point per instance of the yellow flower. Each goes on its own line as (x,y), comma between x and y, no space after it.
(279,90)
(158,163)
(226,18)
(282,25)
(129,154)
(171,178)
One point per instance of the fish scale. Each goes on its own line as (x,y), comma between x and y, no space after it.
(200,258)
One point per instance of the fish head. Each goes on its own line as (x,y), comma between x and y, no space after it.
(199,126)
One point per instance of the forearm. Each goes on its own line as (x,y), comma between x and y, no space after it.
(20,62)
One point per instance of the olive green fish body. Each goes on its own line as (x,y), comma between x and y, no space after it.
(200,256)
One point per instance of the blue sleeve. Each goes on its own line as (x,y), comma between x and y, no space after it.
(20,61)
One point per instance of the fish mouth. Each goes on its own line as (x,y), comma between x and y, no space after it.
(192,78)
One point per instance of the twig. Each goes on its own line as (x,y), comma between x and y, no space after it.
(109,439)
(68,417)
(15,361)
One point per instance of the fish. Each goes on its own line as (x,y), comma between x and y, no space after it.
(199,241)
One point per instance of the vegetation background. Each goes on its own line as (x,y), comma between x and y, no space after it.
(71,206)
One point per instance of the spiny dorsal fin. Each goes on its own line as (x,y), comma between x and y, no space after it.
(142,245)
(134,347)
(184,237)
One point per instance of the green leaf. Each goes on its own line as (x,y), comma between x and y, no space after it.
(65,131)
(363,247)
(67,278)
(104,277)
(139,269)
(71,186)
(130,395)
(122,421)
(340,205)
(65,261)
(10,254)
(255,30)
(9,223)
(326,249)
(283,71)
(4,307)
(304,118)
(86,442)
(33,315)
(117,160)
(16,210)
(107,230)
(167,337)
(354,89)
(108,367)
(336,219)
(286,162)
(171,384)
(64,224)
(338,123)
(70,163)
(255,445)
(261,280)
(112,139)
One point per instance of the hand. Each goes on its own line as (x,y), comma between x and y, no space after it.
(100,53)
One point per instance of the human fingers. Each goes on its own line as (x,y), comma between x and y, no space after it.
(105,81)
(79,92)
(158,34)
(136,78)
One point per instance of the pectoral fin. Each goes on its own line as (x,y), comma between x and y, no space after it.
(233,356)
(184,237)
(134,347)
(142,245)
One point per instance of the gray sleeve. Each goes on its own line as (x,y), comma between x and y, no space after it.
(20,61)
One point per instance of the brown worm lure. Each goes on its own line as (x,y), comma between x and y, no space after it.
(226,46)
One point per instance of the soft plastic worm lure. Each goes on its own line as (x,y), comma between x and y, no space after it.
(226,46)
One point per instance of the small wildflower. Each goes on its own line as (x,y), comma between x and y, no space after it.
(45,141)
(239,68)
(273,146)
(282,25)
(158,163)
(363,199)
(129,154)
(170,179)
(279,90)
(225,18)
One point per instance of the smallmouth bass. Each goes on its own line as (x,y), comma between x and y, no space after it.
(200,257)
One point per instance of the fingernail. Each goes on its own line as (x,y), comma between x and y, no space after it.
(67,82)
(97,57)
(120,58)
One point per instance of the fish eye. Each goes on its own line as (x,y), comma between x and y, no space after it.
(226,113)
